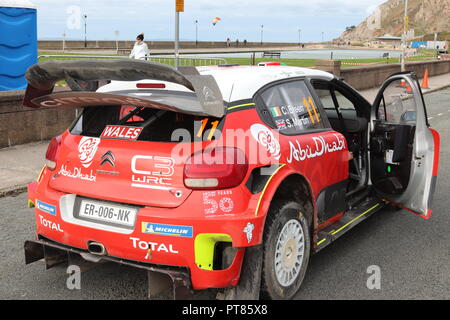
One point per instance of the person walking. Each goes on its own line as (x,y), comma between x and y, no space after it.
(140,50)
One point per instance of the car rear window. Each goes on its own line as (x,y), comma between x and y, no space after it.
(157,125)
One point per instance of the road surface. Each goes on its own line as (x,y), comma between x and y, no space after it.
(413,255)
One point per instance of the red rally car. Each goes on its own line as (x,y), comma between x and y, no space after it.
(225,177)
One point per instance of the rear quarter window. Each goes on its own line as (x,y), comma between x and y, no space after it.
(291,108)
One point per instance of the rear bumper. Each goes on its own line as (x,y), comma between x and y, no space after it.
(194,253)
(55,254)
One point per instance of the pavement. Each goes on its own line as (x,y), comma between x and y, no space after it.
(411,254)
(436,83)
(20,165)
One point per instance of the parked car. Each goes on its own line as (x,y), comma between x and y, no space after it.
(219,176)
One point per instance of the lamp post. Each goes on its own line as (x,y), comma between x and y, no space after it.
(262,34)
(323,37)
(64,41)
(85,30)
(299,36)
(196,32)
(179,7)
(117,40)
(405,27)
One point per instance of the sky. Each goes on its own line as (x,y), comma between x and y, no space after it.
(240,19)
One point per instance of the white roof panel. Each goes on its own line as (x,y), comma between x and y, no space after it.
(242,82)
(235,83)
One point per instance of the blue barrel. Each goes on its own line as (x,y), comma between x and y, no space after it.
(18,42)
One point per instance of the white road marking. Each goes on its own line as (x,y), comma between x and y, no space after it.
(429,118)
(440,114)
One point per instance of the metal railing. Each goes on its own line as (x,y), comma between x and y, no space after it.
(190,61)
(183,61)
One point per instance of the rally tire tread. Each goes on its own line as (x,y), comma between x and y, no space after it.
(268,287)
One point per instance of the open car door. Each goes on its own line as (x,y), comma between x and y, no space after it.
(404,150)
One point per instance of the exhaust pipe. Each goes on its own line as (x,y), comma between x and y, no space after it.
(96,248)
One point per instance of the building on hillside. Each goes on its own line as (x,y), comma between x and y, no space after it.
(389,40)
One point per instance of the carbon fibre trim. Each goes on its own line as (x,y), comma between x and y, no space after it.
(347,222)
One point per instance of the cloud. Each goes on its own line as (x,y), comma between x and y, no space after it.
(240,18)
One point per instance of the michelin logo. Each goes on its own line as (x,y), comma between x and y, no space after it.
(167,230)
(48,208)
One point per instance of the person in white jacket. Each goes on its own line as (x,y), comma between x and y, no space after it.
(140,50)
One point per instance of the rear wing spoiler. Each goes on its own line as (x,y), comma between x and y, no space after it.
(42,78)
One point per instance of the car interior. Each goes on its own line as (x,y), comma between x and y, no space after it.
(158,125)
(391,143)
(393,138)
(349,115)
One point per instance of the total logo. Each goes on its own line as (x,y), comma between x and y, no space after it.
(50,225)
(153,246)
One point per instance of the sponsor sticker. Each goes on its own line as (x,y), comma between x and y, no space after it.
(152,247)
(218,202)
(50,224)
(248,230)
(48,208)
(87,149)
(121,132)
(167,230)
(267,139)
(77,173)
(317,147)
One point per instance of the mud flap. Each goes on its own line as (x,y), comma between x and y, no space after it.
(168,286)
(52,256)
(249,284)
(163,283)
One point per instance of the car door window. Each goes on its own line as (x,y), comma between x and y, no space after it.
(344,103)
(292,108)
(397,105)
(404,150)
(325,97)
(325,93)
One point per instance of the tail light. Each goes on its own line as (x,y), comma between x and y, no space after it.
(52,152)
(219,168)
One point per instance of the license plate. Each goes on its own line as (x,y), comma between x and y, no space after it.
(107,213)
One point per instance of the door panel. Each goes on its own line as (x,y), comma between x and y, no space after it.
(392,153)
(404,150)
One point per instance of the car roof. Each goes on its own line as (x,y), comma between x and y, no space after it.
(235,82)
(242,82)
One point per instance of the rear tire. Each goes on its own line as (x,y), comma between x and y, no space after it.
(287,245)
